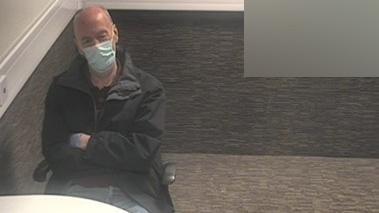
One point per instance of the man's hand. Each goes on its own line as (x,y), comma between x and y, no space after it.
(79,140)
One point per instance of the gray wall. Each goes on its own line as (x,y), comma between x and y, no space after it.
(322,38)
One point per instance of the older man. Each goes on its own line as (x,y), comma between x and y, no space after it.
(103,121)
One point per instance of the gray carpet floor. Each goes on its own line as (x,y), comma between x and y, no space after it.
(241,145)
(241,183)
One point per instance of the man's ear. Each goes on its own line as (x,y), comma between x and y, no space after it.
(115,34)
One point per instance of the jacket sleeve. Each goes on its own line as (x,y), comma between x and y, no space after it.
(55,135)
(136,150)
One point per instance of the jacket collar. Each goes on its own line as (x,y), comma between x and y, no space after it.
(128,85)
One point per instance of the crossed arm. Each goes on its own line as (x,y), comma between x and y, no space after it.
(134,151)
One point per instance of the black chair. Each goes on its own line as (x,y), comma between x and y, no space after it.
(169,174)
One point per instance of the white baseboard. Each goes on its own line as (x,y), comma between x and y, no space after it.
(20,63)
(196,5)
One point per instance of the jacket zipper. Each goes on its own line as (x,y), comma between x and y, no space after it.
(94,128)
(96,117)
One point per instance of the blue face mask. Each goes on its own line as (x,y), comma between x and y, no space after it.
(101,57)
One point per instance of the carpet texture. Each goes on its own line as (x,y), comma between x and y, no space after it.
(241,183)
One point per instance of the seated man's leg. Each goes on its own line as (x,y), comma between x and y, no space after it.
(110,194)
(94,193)
(121,200)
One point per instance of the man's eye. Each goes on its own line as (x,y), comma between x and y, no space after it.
(87,43)
(103,38)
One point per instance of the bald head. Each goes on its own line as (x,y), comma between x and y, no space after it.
(91,14)
(93,25)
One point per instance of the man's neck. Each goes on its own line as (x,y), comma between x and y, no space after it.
(101,81)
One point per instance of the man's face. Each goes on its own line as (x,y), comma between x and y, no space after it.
(92,29)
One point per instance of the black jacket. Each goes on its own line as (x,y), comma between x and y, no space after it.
(125,142)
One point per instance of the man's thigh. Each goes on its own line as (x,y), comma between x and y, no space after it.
(94,193)
(109,194)
(123,201)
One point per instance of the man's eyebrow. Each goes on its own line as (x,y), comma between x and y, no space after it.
(102,32)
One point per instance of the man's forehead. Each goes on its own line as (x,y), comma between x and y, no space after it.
(92,17)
